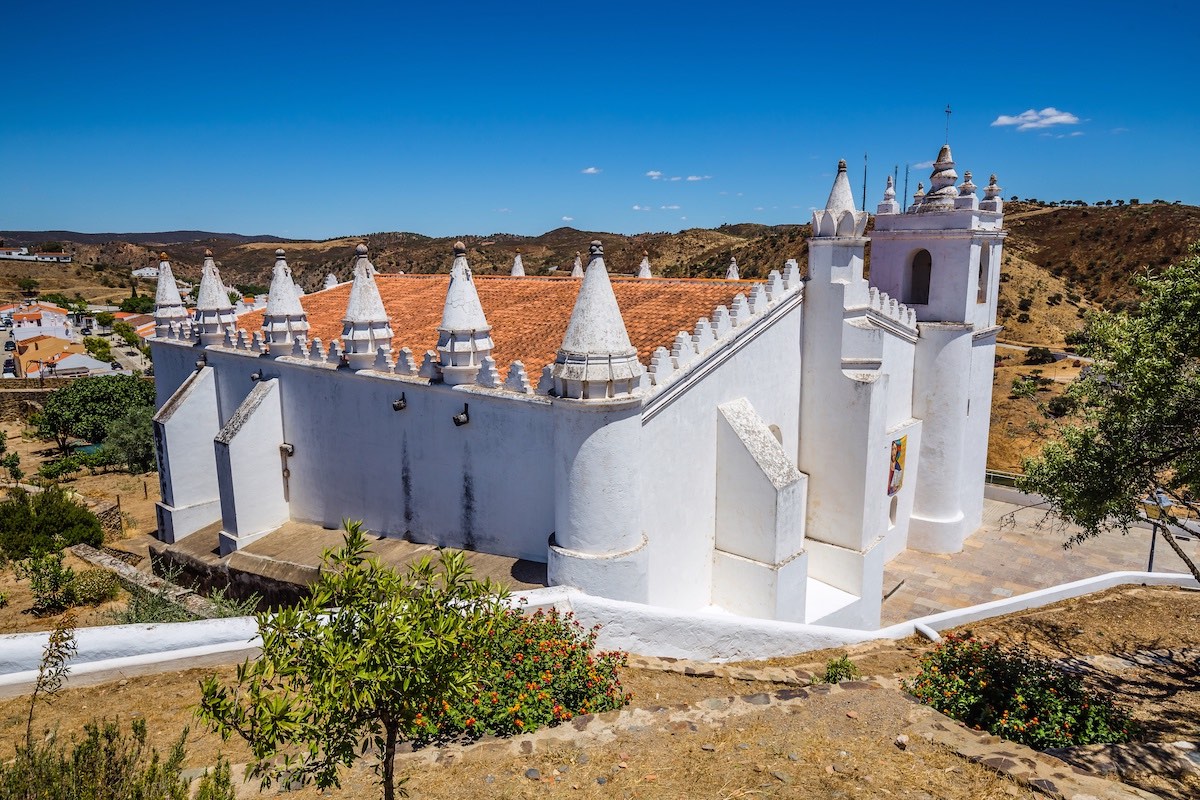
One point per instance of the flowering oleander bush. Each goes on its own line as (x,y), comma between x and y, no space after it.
(1017,695)
(540,671)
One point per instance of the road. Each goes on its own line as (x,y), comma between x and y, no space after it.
(1059,355)
(120,351)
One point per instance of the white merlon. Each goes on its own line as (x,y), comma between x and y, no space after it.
(518,268)
(703,337)
(518,379)
(644,267)
(661,366)
(791,274)
(596,360)
(365,328)
(682,350)
(214,311)
(429,366)
(740,313)
(731,272)
(405,363)
(330,281)
(284,319)
(721,323)
(168,304)
(775,286)
(463,335)
(758,299)
(488,375)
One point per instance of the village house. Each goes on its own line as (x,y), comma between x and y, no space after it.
(761,446)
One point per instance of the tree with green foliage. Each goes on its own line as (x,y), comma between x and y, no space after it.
(1132,444)
(98,348)
(1039,355)
(358,664)
(127,333)
(28,285)
(85,408)
(138,304)
(10,462)
(105,319)
(130,439)
(37,522)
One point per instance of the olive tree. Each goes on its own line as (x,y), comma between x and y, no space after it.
(1135,431)
(357,666)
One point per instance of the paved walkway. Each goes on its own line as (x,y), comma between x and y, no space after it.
(1011,555)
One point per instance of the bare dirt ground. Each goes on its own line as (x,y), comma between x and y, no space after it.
(1019,428)
(818,749)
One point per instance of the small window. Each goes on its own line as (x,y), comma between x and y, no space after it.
(985,262)
(892,511)
(918,279)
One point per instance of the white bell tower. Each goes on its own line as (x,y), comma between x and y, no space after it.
(942,259)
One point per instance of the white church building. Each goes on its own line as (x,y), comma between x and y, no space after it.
(761,446)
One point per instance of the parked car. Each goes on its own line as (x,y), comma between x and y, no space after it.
(9,346)
(115,365)
(86,331)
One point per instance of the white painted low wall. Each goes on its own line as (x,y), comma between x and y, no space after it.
(709,635)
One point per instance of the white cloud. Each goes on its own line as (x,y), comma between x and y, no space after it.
(683,217)
(1032,120)
(675,178)
(503,210)
(653,174)
(1070,135)
(640,208)
(698,177)
(1120,130)
(923,165)
(568,219)
(759,208)
(669,208)
(591,171)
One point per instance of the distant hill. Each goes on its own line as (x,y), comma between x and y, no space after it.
(164,238)
(1058,262)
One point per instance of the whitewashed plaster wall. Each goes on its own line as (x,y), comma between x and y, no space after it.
(761,364)
(184,429)
(978,426)
(249,469)
(411,472)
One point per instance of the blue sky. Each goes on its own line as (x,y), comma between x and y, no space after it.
(317,120)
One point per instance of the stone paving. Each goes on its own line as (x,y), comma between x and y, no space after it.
(1011,555)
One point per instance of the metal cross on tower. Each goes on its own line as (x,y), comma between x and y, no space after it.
(948,112)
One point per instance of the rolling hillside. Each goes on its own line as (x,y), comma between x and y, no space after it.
(1058,262)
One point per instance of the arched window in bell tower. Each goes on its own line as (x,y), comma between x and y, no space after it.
(917,285)
(985,263)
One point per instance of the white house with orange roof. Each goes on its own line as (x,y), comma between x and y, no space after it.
(761,446)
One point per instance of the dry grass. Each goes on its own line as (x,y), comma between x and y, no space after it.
(1019,427)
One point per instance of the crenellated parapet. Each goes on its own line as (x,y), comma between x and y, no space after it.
(727,323)
(886,306)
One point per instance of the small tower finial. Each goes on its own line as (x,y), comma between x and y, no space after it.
(168,305)
(463,335)
(284,321)
(577,267)
(644,267)
(365,328)
(596,360)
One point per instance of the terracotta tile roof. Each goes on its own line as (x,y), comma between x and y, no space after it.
(528,315)
(27,317)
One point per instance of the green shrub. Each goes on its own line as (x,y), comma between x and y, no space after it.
(1023,386)
(33,523)
(1060,406)
(1017,695)
(91,587)
(218,784)
(1022,317)
(1039,355)
(107,764)
(1025,303)
(49,581)
(3,600)
(838,670)
(541,671)
(61,468)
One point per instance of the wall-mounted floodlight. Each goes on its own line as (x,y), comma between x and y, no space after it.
(256,375)
(202,361)
(463,417)
(401,404)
